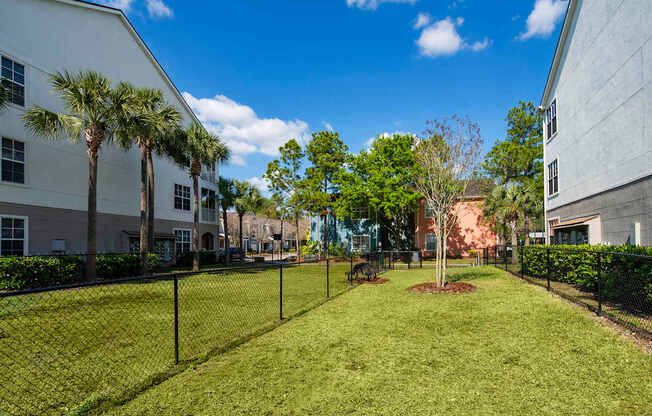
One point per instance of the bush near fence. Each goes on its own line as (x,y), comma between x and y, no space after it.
(18,273)
(206,257)
(622,277)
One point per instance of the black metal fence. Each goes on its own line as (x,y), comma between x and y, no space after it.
(70,347)
(410,260)
(615,285)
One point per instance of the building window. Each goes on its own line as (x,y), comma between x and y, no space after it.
(553,178)
(208,212)
(182,197)
(182,242)
(13,161)
(551,119)
(431,242)
(12,232)
(360,243)
(13,81)
(430,213)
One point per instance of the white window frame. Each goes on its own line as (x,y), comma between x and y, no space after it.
(174,231)
(548,178)
(174,197)
(2,159)
(353,244)
(25,234)
(425,211)
(425,241)
(548,119)
(16,61)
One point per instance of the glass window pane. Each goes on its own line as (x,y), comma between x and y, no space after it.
(6,232)
(19,79)
(19,233)
(18,223)
(20,146)
(19,68)
(7,63)
(6,73)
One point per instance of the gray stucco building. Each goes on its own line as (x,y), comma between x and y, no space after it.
(598,107)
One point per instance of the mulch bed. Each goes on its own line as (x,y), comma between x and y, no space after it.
(378,281)
(449,288)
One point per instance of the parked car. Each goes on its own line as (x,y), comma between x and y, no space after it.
(235,254)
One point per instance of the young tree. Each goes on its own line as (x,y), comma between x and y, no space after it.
(284,176)
(93,109)
(227,200)
(202,148)
(148,123)
(327,153)
(447,159)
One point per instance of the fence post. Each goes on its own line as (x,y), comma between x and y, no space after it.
(280,292)
(599,284)
(409,260)
(505,256)
(420,259)
(351,273)
(328,286)
(548,267)
(523,262)
(176,319)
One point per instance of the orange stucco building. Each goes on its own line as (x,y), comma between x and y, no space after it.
(470,233)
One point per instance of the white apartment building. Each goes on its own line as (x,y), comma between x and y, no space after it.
(43,188)
(598,106)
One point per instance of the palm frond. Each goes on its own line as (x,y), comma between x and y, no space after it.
(42,122)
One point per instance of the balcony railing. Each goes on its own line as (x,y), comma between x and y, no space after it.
(208,215)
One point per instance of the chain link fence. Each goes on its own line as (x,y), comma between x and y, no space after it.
(617,286)
(67,348)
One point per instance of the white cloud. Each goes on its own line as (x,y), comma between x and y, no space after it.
(441,38)
(328,126)
(241,129)
(423,19)
(260,183)
(386,134)
(544,17)
(124,5)
(158,9)
(237,160)
(373,4)
(480,46)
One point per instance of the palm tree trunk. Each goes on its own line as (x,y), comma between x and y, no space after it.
(296,235)
(195,227)
(514,244)
(91,244)
(227,250)
(527,231)
(144,247)
(151,243)
(241,255)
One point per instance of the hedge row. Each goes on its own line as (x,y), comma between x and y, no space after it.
(206,257)
(625,279)
(41,271)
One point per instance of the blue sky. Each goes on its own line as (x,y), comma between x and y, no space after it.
(260,72)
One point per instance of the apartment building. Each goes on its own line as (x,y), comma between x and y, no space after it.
(598,109)
(43,189)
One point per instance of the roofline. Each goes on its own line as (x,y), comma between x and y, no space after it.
(139,40)
(559,49)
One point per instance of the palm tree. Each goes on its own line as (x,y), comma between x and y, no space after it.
(93,111)
(228,195)
(202,148)
(506,204)
(242,189)
(148,123)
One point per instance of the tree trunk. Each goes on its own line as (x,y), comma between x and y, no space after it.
(527,231)
(514,244)
(227,251)
(241,251)
(151,242)
(296,223)
(195,227)
(91,244)
(144,246)
(443,267)
(325,222)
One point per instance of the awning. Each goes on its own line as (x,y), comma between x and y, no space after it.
(161,236)
(574,222)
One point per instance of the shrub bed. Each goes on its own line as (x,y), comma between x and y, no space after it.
(624,279)
(206,257)
(41,271)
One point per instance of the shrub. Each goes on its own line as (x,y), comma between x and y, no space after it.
(625,279)
(41,271)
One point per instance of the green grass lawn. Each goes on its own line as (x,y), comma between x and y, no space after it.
(61,350)
(509,348)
